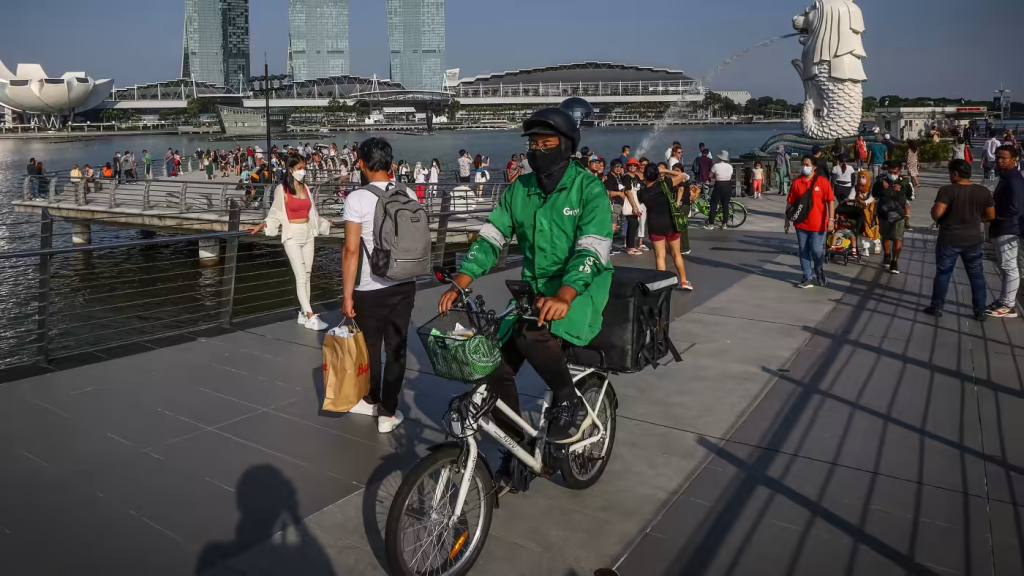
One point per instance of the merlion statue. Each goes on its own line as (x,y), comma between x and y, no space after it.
(832,68)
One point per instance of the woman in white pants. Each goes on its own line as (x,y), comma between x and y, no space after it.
(294,214)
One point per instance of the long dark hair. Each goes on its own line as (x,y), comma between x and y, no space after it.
(912,145)
(292,161)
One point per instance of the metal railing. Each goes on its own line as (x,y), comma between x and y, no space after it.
(566,89)
(59,299)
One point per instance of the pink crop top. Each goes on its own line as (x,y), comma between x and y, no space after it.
(297,208)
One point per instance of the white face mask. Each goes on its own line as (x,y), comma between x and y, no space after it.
(807,170)
(299,175)
(894,177)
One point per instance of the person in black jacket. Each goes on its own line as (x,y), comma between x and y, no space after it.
(1005,230)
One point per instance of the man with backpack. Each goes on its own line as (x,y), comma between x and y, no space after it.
(387,245)
(893,193)
(811,207)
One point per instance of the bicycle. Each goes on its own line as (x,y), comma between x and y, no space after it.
(737,211)
(446,502)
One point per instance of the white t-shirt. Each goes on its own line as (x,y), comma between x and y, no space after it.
(722,172)
(360,207)
(433,174)
(672,162)
(421,176)
(844,178)
(758,174)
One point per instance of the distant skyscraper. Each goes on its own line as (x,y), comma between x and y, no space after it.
(216,47)
(416,34)
(317,38)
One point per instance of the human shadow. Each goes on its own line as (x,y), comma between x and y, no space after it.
(270,537)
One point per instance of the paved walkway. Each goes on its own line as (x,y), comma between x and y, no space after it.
(166,456)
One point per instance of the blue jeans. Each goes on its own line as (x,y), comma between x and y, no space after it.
(945,262)
(812,245)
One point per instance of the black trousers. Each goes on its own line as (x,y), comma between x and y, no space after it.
(720,196)
(383,315)
(632,230)
(543,351)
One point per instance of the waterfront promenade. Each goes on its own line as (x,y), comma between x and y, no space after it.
(824,431)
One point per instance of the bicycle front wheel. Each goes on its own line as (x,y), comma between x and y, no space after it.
(419,538)
(737,215)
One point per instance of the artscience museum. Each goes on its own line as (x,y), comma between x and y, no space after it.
(32,91)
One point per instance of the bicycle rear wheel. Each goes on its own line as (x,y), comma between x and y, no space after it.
(582,469)
(737,215)
(418,538)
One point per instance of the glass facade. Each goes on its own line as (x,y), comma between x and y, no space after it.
(216,44)
(317,38)
(416,34)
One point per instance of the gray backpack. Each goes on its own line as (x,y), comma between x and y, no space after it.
(401,235)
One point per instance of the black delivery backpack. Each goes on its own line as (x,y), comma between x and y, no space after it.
(634,334)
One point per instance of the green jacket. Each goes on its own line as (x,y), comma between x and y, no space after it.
(566,240)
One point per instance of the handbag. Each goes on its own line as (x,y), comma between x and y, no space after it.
(680,219)
(798,211)
(346,367)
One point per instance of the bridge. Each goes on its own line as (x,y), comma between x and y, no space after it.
(828,431)
(191,203)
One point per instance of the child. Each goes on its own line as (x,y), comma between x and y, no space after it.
(758,179)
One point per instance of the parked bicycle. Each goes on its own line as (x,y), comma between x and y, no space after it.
(737,211)
(441,515)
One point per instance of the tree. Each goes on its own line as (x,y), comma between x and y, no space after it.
(453,110)
(196,107)
(870,103)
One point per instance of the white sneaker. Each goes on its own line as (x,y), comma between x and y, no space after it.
(315,323)
(302,317)
(387,424)
(364,408)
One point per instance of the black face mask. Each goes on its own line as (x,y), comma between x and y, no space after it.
(549,165)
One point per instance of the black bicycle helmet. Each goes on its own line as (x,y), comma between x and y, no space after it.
(554,121)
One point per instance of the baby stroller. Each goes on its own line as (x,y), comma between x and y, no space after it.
(842,242)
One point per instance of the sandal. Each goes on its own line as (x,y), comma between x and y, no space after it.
(634,252)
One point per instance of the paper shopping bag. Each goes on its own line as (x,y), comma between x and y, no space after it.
(346,369)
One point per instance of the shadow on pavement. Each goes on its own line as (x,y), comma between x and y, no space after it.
(270,537)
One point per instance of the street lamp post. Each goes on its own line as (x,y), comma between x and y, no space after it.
(267,82)
(1003,97)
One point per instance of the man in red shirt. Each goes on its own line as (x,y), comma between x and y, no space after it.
(815,218)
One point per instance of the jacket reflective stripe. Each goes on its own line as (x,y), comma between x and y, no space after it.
(599,245)
(491,233)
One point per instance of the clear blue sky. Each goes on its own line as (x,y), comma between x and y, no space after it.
(915,47)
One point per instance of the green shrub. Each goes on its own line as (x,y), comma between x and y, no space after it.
(927,151)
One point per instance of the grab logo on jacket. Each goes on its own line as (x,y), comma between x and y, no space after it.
(570,211)
(362,369)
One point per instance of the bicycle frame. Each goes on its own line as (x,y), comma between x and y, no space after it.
(533,461)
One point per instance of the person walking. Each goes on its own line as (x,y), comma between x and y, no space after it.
(878,155)
(960,209)
(88,177)
(842,179)
(117,166)
(869,232)
(147,164)
(481,176)
(913,163)
(294,216)
(820,164)
(783,178)
(817,216)
(665,218)
(959,150)
(893,210)
(1005,231)
(721,176)
(382,307)
(989,163)
(465,167)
